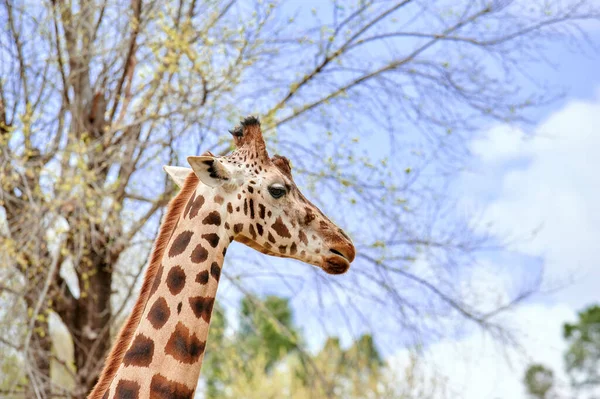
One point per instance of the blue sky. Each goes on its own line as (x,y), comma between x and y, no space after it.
(542,179)
(539,178)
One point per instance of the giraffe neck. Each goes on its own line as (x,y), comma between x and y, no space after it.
(165,354)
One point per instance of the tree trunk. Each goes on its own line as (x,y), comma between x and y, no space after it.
(88,321)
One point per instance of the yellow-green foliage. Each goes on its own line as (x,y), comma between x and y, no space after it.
(264,358)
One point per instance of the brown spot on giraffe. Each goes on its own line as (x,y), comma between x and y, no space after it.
(156,282)
(302,237)
(309,215)
(213,218)
(199,254)
(196,205)
(202,306)
(219,200)
(212,238)
(159,313)
(280,228)
(140,353)
(202,277)
(215,271)
(163,388)
(127,390)
(261,211)
(251,206)
(176,280)
(180,243)
(189,205)
(184,346)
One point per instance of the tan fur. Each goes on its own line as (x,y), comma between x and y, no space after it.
(123,340)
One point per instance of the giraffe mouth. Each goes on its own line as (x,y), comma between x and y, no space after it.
(336,264)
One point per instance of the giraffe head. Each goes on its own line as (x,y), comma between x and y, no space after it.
(262,206)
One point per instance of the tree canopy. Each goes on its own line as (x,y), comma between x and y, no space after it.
(97,95)
(263,356)
(582,360)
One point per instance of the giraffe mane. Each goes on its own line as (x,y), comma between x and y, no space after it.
(125,335)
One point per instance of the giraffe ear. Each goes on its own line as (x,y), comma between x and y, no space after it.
(210,170)
(177,173)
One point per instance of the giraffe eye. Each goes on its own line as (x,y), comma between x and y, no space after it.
(277,190)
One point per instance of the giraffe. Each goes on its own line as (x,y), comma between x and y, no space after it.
(245,196)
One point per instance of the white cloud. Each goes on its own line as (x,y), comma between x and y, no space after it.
(549,183)
(477,367)
(546,181)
